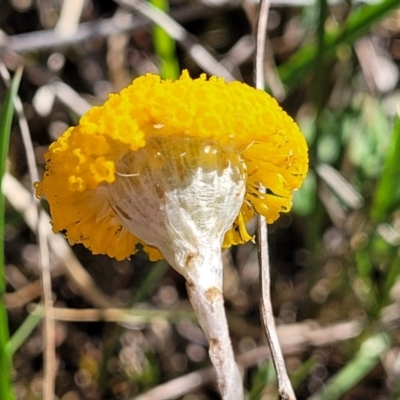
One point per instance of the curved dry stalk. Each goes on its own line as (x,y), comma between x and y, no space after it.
(49,335)
(44,259)
(285,389)
(284,386)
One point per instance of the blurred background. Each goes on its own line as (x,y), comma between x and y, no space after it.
(122,329)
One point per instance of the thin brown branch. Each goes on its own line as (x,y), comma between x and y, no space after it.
(265,67)
(267,317)
(284,386)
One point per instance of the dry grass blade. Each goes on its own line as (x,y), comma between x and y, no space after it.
(259,76)
(70,15)
(199,54)
(24,128)
(21,200)
(294,340)
(48,322)
(50,366)
(49,39)
(23,296)
(39,228)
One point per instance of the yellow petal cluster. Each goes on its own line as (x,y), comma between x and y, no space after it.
(81,163)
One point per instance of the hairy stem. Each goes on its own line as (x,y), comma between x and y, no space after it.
(208,304)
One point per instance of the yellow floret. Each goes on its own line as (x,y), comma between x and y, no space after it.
(82,162)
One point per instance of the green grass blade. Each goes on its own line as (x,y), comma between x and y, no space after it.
(22,333)
(319,75)
(357,24)
(150,281)
(6,116)
(391,279)
(387,194)
(164,46)
(363,362)
(265,375)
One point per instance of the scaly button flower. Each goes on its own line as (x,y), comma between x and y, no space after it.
(190,121)
(178,167)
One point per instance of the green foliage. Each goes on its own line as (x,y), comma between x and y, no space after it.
(337,260)
(264,376)
(357,24)
(367,357)
(23,332)
(367,132)
(363,139)
(164,46)
(6,116)
(387,194)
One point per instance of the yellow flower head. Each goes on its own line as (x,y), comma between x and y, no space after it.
(110,179)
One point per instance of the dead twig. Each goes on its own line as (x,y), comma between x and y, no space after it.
(284,386)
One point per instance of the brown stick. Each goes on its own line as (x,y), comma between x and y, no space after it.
(284,386)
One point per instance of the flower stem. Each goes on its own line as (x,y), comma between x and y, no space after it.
(208,304)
